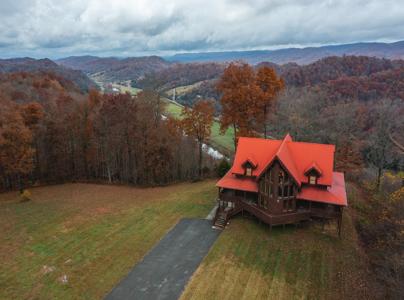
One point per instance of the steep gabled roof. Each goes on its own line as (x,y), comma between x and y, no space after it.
(285,158)
(297,158)
(259,149)
(322,155)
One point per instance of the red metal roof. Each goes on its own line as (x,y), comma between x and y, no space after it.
(334,194)
(259,149)
(305,154)
(296,157)
(230,181)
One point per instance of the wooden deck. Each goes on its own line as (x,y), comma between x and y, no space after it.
(242,205)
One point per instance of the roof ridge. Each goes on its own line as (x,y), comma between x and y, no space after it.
(283,145)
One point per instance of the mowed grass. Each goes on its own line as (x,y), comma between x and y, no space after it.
(93,234)
(250,261)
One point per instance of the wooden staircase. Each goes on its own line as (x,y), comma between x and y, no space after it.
(220,220)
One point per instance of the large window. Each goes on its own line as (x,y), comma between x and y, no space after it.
(285,186)
(266,189)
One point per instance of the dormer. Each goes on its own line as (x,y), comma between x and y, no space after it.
(313,172)
(249,165)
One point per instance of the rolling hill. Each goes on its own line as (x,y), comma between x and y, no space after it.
(36,66)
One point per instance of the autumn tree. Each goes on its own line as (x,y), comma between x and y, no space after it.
(239,91)
(197,123)
(379,144)
(16,153)
(270,86)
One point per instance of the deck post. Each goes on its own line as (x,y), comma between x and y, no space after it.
(339,224)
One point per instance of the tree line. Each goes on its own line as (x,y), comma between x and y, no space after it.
(114,138)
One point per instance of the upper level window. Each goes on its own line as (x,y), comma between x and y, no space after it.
(248,171)
(312,179)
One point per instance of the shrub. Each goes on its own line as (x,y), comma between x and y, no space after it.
(25,195)
(223,167)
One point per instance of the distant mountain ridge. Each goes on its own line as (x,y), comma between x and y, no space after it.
(31,65)
(298,55)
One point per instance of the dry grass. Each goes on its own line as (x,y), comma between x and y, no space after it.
(251,262)
(93,234)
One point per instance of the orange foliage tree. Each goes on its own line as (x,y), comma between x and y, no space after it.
(239,99)
(16,153)
(197,123)
(270,86)
(247,97)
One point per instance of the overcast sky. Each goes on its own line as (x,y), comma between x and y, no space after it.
(57,28)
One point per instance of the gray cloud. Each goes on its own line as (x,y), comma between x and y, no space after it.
(57,28)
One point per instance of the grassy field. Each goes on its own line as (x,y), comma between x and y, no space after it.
(93,234)
(126,89)
(181,90)
(249,261)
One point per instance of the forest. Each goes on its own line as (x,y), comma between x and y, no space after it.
(51,132)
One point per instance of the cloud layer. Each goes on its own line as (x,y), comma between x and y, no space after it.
(57,28)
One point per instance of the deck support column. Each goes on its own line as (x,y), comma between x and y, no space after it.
(339,224)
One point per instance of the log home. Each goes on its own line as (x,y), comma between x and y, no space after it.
(282,182)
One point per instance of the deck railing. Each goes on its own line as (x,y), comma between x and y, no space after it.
(239,204)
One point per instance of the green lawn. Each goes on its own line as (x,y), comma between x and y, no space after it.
(250,261)
(93,234)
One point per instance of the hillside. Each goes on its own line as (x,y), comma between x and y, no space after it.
(111,69)
(354,77)
(47,89)
(31,65)
(297,55)
(180,75)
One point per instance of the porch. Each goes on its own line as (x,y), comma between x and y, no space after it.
(232,204)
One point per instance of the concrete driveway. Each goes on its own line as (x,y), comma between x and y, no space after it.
(166,269)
